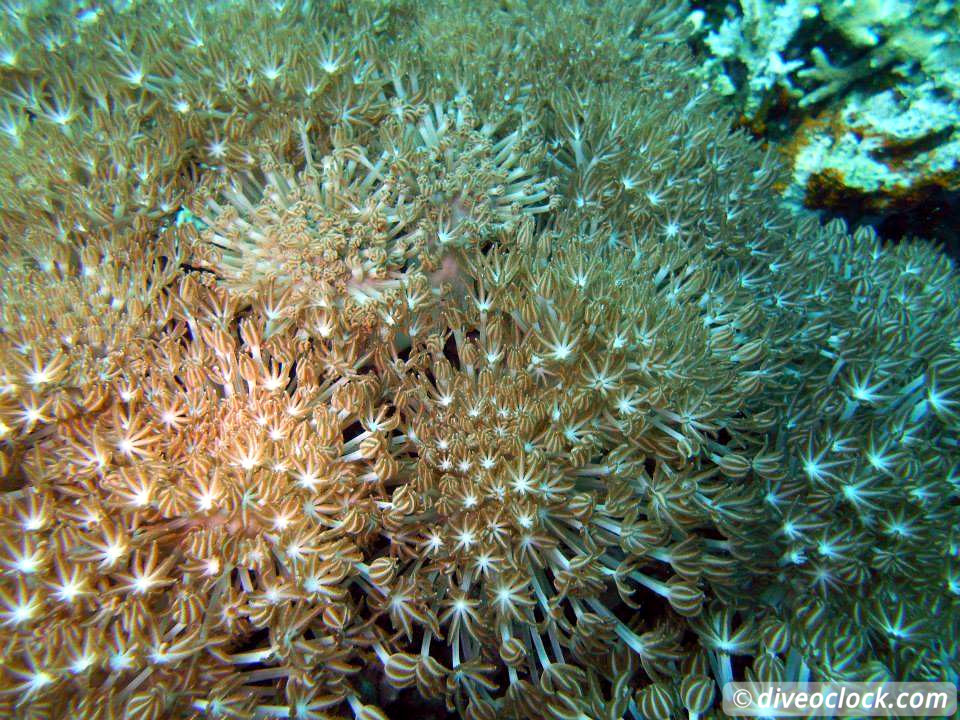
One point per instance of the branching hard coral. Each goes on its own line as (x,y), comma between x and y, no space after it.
(757,40)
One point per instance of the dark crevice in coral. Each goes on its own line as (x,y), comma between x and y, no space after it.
(15,478)
(451,352)
(914,146)
(253,641)
(723,437)
(929,212)
(188,268)
(649,466)
(292,382)
(708,532)
(351,431)
(409,704)
(243,316)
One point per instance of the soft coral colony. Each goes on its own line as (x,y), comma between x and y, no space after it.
(375,359)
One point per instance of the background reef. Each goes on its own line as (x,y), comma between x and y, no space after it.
(376,359)
(862,98)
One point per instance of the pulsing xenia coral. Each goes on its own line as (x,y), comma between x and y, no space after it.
(347,230)
(862,521)
(60,349)
(400,424)
(205,517)
(566,453)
